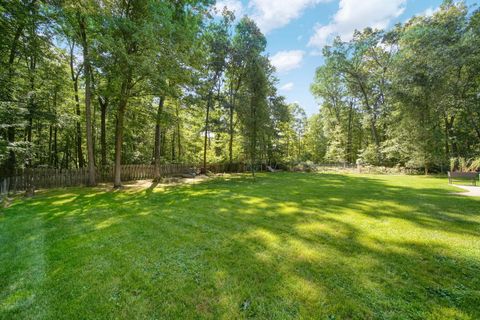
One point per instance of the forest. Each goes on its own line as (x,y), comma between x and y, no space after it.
(407,97)
(89,84)
(150,167)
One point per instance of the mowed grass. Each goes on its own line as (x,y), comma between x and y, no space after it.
(288,246)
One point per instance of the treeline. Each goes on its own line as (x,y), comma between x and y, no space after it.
(408,97)
(91,83)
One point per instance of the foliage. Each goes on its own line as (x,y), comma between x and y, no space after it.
(103,83)
(412,92)
(464,165)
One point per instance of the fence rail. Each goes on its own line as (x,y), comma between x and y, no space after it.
(43,178)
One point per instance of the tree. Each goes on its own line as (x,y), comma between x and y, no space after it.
(217,44)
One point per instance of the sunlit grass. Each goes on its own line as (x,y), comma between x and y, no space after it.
(322,246)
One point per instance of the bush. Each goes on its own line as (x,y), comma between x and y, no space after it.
(464,165)
(307,166)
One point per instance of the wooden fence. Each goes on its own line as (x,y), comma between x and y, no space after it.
(42,178)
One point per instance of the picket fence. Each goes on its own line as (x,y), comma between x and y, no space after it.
(44,178)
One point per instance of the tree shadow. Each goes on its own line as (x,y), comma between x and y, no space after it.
(285,246)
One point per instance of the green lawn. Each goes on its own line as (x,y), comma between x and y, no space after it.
(290,245)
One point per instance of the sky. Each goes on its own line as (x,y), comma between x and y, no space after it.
(297,30)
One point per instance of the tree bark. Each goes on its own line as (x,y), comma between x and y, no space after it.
(124,95)
(172,147)
(230,142)
(10,163)
(66,153)
(74,76)
(373,128)
(103,134)
(50,139)
(179,142)
(31,102)
(158,138)
(451,135)
(253,142)
(447,144)
(349,134)
(207,118)
(55,147)
(88,100)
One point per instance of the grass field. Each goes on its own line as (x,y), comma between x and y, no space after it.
(288,246)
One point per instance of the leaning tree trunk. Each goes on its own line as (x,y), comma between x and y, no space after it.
(88,99)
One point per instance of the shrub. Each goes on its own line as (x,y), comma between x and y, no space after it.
(464,165)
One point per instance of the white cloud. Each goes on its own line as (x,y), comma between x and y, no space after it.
(287,60)
(287,86)
(273,14)
(232,5)
(429,12)
(356,15)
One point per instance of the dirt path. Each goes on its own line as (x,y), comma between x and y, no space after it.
(471,191)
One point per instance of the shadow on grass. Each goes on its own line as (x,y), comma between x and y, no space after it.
(285,246)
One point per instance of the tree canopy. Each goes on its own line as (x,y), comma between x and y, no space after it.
(409,96)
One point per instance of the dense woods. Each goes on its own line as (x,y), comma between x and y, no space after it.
(409,96)
(91,84)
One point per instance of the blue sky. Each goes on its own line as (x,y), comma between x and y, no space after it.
(296,31)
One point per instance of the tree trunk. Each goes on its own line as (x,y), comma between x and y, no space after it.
(173,145)
(80,159)
(233,93)
(10,162)
(50,139)
(451,135)
(373,128)
(163,142)
(88,100)
(103,134)
(349,134)
(230,142)
(74,77)
(31,102)
(124,95)
(209,102)
(158,138)
(179,142)
(253,142)
(55,145)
